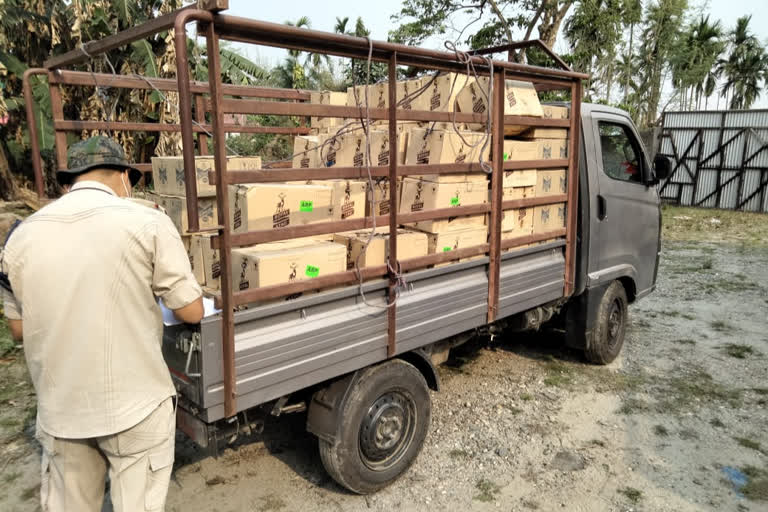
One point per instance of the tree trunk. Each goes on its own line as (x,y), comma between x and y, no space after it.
(8,187)
(609,83)
(629,61)
(552,16)
(521,56)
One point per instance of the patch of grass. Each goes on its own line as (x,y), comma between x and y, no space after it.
(458,454)
(488,489)
(661,431)
(688,316)
(691,387)
(688,434)
(730,284)
(738,350)
(632,406)
(11,477)
(720,325)
(696,224)
(756,487)
(598,442)
(559,374)
(671,314)
(715,422)
(6,341)
(632,494)
(760,391)
(706,264)
(512,409)
(748,443)
(641,323)
(526,397)
(684,341)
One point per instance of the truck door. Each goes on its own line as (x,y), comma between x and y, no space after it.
(627,206)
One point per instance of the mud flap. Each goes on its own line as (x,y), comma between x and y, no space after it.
(581,316)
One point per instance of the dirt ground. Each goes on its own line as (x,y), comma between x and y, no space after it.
(678,423)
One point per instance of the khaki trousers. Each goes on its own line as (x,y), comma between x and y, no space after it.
(139,461)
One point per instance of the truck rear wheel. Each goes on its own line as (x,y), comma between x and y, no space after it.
(607,338)
(384,421)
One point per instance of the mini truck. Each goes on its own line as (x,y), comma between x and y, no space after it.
(363,369)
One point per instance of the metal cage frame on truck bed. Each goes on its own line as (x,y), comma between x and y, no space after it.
(223,98)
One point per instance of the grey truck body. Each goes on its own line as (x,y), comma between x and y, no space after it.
(287,347)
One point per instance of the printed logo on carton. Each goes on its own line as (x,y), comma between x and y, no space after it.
(348,206)
(405,103)
(180,176)
(206,212)
(545,215)
(562,184)
(238,218)
(162,174)
(382,102)
(511,97)
(292,275)
(561,213)
(333,145)
(304,162)
(547,183)
(422,157)
(244,284)
(521,214)
(478,105)
(384,204)
(418,204)
(461,156)
(357,160)
(384,152)
(434,101)
(201,174)
(546,150)
(282,215)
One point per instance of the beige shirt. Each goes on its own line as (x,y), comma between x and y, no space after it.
(86,272)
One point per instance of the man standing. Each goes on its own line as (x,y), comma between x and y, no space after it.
(86,272)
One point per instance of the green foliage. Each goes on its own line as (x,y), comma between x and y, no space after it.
(356,71)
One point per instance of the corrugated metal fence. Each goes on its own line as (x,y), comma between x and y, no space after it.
(720,159)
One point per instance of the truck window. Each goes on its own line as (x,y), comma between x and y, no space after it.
(621,153)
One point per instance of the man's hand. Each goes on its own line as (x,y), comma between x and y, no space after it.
(192,313)
(17,331)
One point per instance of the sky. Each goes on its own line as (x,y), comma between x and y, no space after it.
(376,15)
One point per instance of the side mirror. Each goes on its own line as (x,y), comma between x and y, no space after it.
(662,166)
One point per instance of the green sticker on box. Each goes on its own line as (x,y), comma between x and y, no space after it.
(506,156)
(455,201)
(305,206)
(446,249)
(312,271)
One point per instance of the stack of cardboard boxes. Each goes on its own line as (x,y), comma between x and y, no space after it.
(342,142)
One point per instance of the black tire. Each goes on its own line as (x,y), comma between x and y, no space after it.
(385,419)
(607,338)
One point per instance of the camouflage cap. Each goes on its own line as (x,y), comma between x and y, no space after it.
(98,152)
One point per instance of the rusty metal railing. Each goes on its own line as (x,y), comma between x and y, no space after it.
(217,26)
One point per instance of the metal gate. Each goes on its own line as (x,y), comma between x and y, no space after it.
(720,159)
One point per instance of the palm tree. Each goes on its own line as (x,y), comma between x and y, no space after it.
(745,67)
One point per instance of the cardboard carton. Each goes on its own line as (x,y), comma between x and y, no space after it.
(554,112)
(441,92)
(305,152)
(519,178)
(427,146)
(347,150)
(193,245)
(381,196)
(275,205)
(410,244)
(550,182)
(327,98)
(457,239)
(518,150)
(176,208)
(211,262)
(378,96)
(284,262)
(545,133)
(420,194)
(518,220)
(348,198)
(521,98)
(548,218)
(406,90)
(168,173)
(552,148)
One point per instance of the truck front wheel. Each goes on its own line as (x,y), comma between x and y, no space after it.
(384,420)
(606,339)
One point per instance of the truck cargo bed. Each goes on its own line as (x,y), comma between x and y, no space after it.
(285,347)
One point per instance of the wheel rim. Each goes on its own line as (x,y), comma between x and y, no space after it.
(615,322)
(387,430)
